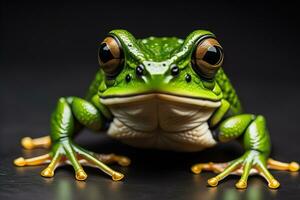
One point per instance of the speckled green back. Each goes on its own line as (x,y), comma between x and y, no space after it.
(160,48)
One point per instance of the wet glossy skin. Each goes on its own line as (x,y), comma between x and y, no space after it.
(141,82)
(156,57)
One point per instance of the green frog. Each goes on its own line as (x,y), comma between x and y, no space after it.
(159,92)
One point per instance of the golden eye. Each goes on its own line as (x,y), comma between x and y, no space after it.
(110,56)
(207,58)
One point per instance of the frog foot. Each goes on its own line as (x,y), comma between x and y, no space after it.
(68,153)
(250,163)
(41,142)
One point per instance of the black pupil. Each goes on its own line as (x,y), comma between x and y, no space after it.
(104,53)
(213,55)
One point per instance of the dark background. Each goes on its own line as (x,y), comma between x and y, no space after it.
(48,50)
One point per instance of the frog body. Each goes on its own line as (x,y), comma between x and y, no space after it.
(159,120)
(159,92)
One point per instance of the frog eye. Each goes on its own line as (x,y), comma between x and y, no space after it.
(207,58)
(110,56)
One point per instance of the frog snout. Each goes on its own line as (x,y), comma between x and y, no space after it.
(157,73)
(155,68)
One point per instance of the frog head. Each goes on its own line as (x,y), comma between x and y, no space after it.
(167,65)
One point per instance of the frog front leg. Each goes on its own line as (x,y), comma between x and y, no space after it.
(70,114)
(254,136)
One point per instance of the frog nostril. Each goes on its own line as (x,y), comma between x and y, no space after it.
(139,70)
(175,70)
(188,78)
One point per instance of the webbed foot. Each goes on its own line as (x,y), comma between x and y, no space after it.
(65,152)
(252,162)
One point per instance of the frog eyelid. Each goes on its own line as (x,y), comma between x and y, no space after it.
(188,48)
(133,51)
(201,39)
(119,44)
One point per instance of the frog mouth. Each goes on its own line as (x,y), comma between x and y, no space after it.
(126,100)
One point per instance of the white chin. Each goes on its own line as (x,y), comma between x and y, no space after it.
(161,117)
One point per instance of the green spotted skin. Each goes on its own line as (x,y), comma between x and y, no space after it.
(228,92)
(93,89)
(158,56)
(241,123)
(86,113)
(160,48)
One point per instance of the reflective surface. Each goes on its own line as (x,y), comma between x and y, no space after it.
(152,175)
